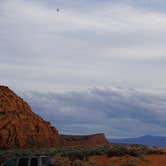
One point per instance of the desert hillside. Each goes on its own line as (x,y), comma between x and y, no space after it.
(20,127)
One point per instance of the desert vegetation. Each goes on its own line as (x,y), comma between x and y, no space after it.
(78,156)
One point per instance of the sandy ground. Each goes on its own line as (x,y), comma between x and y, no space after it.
(147,160)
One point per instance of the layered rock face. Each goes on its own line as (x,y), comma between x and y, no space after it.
(20,127)
(89,140)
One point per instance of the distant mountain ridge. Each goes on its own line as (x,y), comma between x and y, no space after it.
(148,140)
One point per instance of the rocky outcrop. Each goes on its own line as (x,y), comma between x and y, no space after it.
(11,103)
(20,127)
(88,140)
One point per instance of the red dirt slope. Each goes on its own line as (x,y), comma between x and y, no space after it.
(147,160)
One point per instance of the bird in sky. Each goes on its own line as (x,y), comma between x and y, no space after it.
(58,10)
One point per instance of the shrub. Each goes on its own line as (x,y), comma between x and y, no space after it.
(129,163)
(77,163)
(61,161)
(93,163)
(118,150)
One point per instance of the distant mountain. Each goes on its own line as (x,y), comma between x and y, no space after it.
(145,140)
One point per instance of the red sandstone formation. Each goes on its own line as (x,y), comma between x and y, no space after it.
(89,140)
(20,127)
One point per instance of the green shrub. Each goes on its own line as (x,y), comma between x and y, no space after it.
(82,153)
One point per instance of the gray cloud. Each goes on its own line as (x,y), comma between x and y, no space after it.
(88,44)
(85,45)
(158,5)
(117,112)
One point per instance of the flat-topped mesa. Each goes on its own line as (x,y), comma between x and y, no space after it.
(85,140)
(20,127)
(10,102)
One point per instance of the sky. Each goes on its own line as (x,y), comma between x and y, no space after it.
(87,45)
(116,112)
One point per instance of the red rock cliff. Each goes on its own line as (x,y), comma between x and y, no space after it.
(88,140)
(20,127)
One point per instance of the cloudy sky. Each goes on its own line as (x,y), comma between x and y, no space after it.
(89,44)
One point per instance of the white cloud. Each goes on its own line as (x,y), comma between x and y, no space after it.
(93,44)
(111,43)
(112,18)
